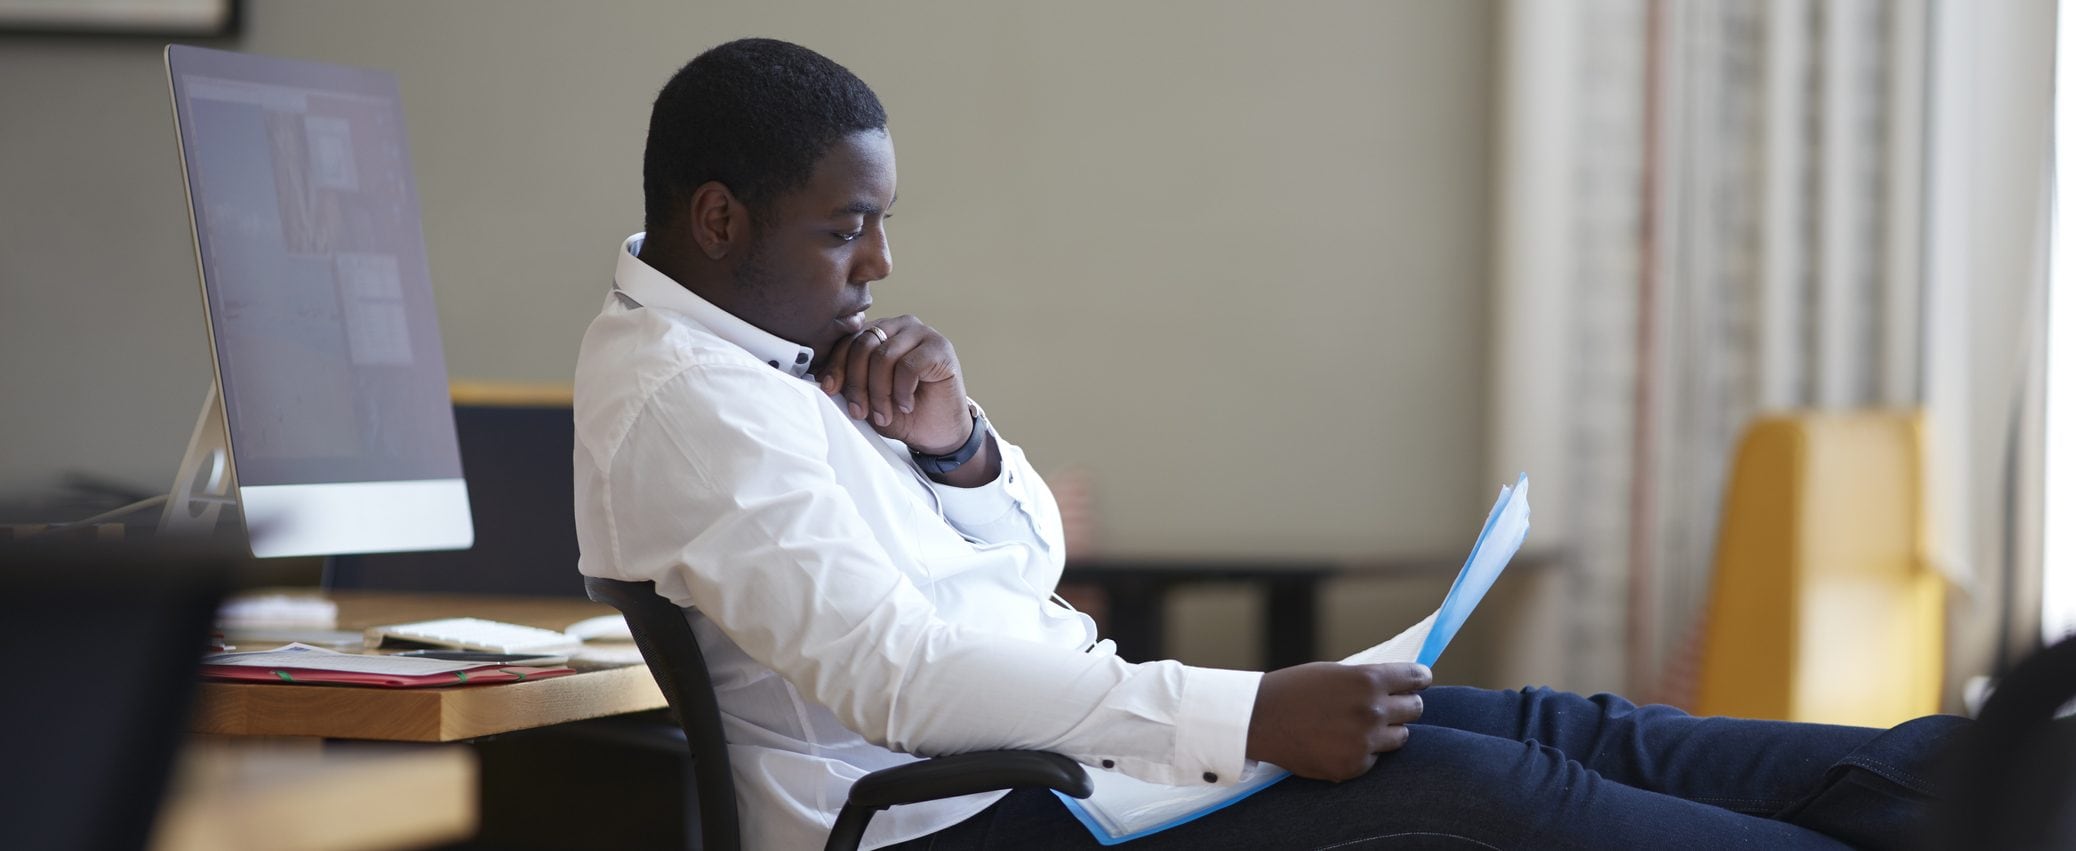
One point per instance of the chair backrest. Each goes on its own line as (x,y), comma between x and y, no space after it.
(667,643)
(1823,605)
(515,448)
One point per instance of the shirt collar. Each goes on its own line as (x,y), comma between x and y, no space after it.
(651,288)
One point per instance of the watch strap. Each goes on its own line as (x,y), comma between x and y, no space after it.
(941,464)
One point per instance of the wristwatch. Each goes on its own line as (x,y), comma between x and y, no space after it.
(938,465)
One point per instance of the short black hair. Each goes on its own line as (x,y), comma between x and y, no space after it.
(754,114)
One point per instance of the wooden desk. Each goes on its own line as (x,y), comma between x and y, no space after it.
(430,714)
(1134,595)
(309,796)
(1136,591)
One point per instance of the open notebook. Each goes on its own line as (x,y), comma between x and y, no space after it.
(1125,808)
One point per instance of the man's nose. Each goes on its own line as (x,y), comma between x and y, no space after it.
(876,262)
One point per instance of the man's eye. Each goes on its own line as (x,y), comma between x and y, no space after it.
(847,237)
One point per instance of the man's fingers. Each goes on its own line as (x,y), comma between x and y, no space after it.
(879,374)
(1326,720)
(1386,721)
(906,378)
(833,371)
(884,383)
(857,373)
(1388,739)
(1402,708)
(1401,677)
(930,360)
(831,375)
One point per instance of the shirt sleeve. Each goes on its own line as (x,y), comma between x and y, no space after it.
(724,491)
(1015,506)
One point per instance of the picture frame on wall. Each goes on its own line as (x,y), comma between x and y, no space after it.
(155,18)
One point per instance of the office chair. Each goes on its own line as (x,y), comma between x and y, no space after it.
(673,654)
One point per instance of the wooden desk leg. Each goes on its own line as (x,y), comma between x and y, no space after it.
(1292,621)
(1137,616)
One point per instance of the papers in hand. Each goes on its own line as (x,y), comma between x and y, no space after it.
(1124,808)
(1506,527)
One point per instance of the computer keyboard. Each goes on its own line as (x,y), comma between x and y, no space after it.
(472,634)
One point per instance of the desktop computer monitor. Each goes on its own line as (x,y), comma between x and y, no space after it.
(328,426)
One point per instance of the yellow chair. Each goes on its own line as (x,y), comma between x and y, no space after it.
(1824,606)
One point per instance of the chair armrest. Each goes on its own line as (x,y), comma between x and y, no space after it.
(969,773)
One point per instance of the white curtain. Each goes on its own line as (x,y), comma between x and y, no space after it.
(1709,211)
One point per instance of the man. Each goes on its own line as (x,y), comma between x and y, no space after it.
(868,565)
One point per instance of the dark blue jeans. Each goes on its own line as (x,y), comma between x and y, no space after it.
(1546,769)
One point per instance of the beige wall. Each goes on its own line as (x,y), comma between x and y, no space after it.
(1227,257)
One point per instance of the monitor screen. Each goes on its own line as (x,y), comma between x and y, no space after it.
(321,315)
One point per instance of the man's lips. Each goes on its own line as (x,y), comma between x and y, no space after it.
(855,321)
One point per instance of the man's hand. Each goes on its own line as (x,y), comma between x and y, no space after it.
(907,385)
(1328,721)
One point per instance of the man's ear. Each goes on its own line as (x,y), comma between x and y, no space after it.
(720,222)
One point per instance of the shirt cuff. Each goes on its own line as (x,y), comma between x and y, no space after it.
(1211,730)
(979,506)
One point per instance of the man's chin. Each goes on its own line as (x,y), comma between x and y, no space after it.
(824,348)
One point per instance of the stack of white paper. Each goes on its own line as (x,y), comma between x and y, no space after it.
(1125,808)
(311,658)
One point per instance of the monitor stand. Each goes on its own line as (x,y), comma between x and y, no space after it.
(204,484)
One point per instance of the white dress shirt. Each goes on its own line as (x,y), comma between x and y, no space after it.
(852,611)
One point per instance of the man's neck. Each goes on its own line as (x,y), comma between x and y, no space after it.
(709,279)
(663,256)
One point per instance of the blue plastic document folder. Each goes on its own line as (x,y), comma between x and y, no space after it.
(1125,808)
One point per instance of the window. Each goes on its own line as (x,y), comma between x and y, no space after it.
(2058,550)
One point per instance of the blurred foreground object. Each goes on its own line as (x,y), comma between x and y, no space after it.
(2015,782)
(102,643)
(1824,607)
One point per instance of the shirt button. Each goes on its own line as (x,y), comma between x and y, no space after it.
(1109,763)
(774,364)
(1210,777)
(802,358)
